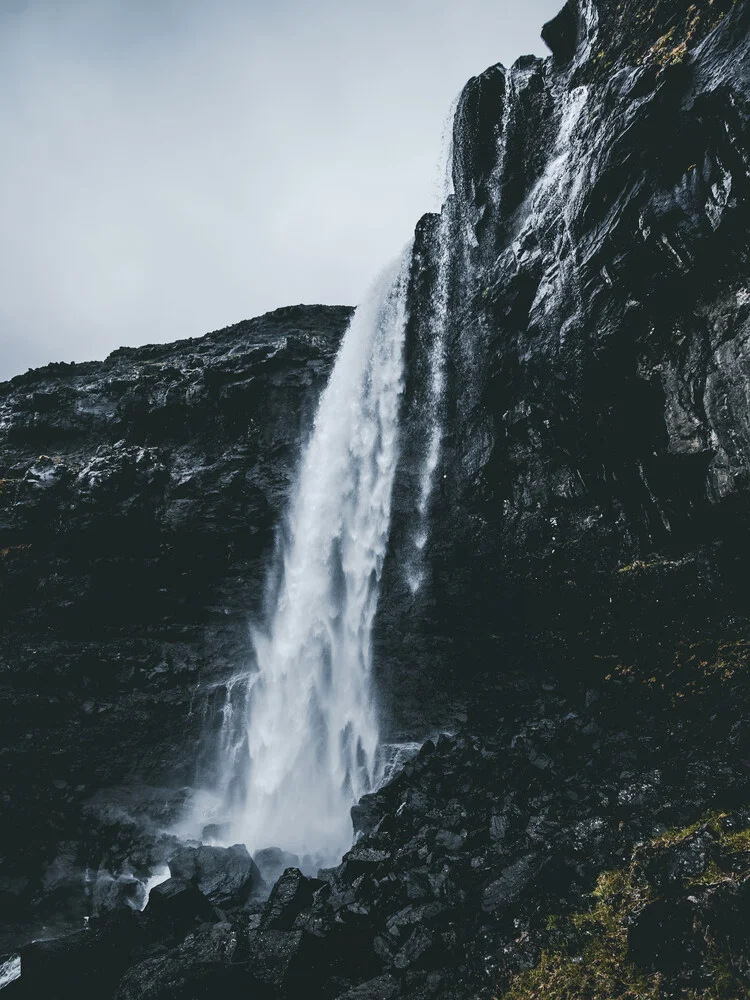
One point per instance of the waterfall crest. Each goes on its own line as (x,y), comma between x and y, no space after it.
(311,733)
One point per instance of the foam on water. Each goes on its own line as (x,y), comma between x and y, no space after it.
(10,970)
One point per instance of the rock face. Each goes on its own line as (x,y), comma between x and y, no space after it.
(138,503)
(485,853)
(585,588)
(590,506)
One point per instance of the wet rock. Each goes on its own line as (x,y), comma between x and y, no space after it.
(283,959)
(664,936)
(416,951)
(513,881)
(380,988)
(109,893)
(174,908)
(498,827)
(361,859)
(224,875)
(412,915)
(669,870)
(201,966)
(449,840)
(561,33)
(89,962)
(366,814)
(291,894)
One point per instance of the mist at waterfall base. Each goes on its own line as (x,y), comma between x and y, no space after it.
(299,741)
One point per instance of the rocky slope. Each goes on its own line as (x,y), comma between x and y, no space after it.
(586,833)
(138,503)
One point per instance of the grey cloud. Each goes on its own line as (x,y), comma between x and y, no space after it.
(172,167)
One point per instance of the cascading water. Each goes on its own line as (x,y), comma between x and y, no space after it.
(436,361)
(309,746)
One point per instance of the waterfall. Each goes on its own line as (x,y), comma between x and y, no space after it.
(436,359)
(310,739)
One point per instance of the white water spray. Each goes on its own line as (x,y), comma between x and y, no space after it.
(312,727)
(437,359)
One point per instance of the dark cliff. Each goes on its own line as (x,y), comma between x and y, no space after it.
(591,509)
(586,833)
(139,498)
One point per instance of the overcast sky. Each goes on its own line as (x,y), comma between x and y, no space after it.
(169,167)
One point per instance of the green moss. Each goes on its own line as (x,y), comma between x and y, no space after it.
(658,33)
(736,840)
(640,565)
(667,51)
(593,964)
(599,969)
(701,670)
(13,549)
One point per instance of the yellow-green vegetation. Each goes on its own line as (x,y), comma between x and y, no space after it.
(593,962)
(700,668)
(599,969)
(15,549)
(664,52)
(641,564)
(672,47)
(660,33)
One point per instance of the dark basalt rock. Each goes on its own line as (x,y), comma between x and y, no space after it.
(202,966)
(175,907)
(86,963)
(380,988)
(513,882)
(561,33)
(589,508)
(665,937)
(291,894)
(225,876)
(672,869)
(284,960)
(139,497)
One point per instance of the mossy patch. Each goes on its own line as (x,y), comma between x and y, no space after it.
(703,668)
(701,672)
(640,564)
(659,33)
(13,550)
(587,955)
(593,963)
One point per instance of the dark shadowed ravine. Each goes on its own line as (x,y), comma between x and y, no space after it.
(550,616)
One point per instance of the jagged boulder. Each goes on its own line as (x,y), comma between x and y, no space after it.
(292,894)
(226,876)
